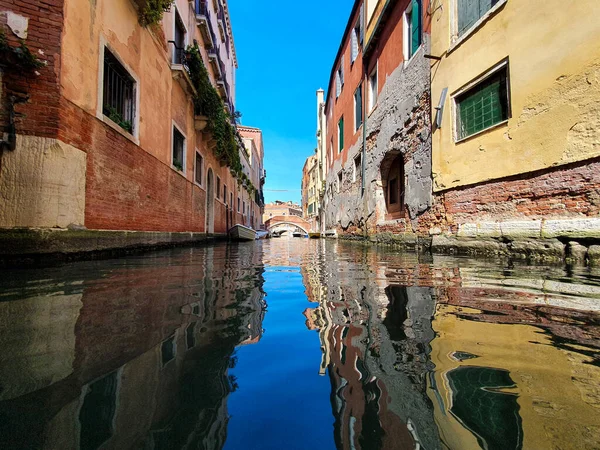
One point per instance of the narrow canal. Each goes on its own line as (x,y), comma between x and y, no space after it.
(299,344)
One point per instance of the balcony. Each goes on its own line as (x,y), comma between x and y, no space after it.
(203,22)
(180,69)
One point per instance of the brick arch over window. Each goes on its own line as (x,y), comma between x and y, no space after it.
(393,184)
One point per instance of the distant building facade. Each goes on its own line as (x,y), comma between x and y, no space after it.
(253,163)
(105,133)
(281,208)
(310,192)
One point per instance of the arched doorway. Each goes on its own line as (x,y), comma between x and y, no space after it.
(392,174)
(210,202)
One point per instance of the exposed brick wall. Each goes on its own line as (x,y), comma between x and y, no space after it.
(571,190)
(568,191)
(39,115)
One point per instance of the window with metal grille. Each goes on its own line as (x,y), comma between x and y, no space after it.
(470,11)
(118,95)
(198,169)
(178,149)
(484,105)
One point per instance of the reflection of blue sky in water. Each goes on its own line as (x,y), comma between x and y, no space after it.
(282,402)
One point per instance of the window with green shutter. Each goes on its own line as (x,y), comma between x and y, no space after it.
(484,105)
(470,11)
(341,134)
(412,28)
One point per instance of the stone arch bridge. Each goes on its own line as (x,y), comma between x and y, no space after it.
(287,224)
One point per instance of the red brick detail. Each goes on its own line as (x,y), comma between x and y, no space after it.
(126,187)
(39,114)
(572,190)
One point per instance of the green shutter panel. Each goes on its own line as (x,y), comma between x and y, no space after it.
(416,26)
(468,14)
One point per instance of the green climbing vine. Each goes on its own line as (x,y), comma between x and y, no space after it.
(153,11)
(208,103)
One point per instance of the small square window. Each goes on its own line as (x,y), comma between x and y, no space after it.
(178,150)
(198,169)
(484,105)
(119,93)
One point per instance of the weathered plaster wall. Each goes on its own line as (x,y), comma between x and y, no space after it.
(399,125)
(554,65)
(42,184)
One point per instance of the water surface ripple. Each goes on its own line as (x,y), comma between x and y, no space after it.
(299,344)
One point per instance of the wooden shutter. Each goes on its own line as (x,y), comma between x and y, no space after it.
(338,84)
(416,26)
(468,13)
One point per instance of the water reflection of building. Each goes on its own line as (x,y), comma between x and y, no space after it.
(481,356)
(374,338)
(139,358)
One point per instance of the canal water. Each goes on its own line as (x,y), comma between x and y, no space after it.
(299,344)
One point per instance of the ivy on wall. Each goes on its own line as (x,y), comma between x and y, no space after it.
(208,103)
(152,11)
(18,57)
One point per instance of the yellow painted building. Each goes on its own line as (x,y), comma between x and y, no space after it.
(518,84)
(489,387)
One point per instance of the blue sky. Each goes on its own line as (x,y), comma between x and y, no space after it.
(285,50)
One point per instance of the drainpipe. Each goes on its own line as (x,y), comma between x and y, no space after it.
(364,150)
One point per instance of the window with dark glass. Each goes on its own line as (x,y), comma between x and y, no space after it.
(341,135)
(484,105)
(358,108)
(178,149)
(198,169)
(225,193)
(118,95)
(218,190)
(179,50)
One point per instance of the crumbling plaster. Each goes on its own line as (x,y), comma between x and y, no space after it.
(399,124)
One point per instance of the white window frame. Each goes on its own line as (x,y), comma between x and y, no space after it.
(196,168)
(471,84)
(135,136)
(407,33)
(183,171)
(374,94)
